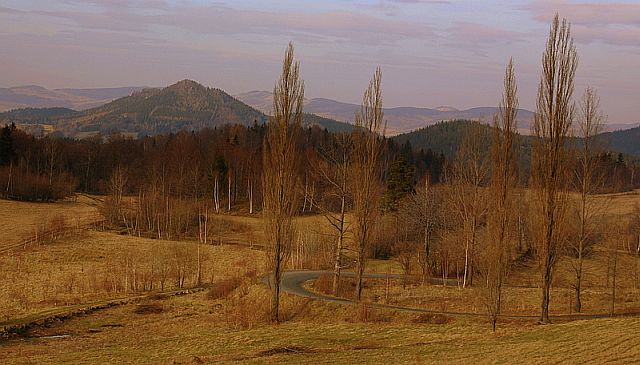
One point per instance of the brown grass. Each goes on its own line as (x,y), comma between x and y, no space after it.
(231,324)
(192,329)
(91,267)
(19,220)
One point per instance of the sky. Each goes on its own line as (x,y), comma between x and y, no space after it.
(432,53)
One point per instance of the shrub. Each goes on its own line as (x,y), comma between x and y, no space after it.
(222,288)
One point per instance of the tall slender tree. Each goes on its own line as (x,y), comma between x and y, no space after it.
(367,142)
(587,177)
(503,180)
(280,169)
(553,117)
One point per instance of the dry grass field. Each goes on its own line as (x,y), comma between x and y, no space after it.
(19,220)
(196,330)
(228,321)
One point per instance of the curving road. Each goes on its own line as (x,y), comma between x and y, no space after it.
(293,283)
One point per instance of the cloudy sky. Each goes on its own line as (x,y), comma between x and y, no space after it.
(432,53)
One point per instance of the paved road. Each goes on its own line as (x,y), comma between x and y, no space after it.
(293,283)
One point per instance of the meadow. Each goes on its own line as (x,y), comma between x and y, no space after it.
(228,321)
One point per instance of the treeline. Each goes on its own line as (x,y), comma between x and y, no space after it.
(446,137)
(222,164)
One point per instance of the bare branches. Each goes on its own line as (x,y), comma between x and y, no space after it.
(367,140)
(587,177)
(554,114)
(500,235)
(280,166)
(467,196)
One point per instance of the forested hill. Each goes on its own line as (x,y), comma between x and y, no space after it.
(446,137)
(626,141)
(442,137)
(186,105)
(35,115)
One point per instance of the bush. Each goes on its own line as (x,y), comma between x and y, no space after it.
(222,288)
(324,284)
(29,186)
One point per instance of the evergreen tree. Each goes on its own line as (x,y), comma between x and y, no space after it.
(7,150)
(400,182)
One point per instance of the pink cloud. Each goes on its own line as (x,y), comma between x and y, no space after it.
(475,33)
(612,23)
(337,24)
(224,20)
(604,13)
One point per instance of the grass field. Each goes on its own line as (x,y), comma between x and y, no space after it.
(227,323)
(19,220)
(195,330)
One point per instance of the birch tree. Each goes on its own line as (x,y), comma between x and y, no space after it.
(587,178)
(467,195)
(334,169)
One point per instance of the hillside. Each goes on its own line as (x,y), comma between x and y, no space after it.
(445,137)
(185,105)
(626,141)
(33,96)
(35,115)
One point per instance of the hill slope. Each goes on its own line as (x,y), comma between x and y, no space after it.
(625,141)
(185,105)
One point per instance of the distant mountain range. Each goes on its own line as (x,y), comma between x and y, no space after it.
(189,105)
(185,105)
(399,119)
(33,96)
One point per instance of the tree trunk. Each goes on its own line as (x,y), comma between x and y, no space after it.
(338,253)
(229,194)
(360,272)
(578,284)
(546,289)
(275,287)
(250,188)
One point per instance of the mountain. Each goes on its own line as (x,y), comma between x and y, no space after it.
(261,100)
(33,96)
(442,137)
(626,141)
(185,105)
(399,119)
(445,137)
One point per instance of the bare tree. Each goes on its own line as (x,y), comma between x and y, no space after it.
(335,171)
(367,142)
(424,210)
(280,166)
(551,124)
(588,178)
(467,196)
(503,180)
(114,202)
